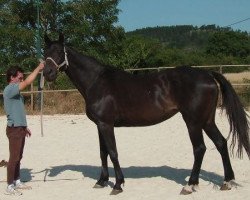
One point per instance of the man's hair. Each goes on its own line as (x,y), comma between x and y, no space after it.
(13,71)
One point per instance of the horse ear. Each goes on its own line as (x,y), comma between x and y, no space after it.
(61,38)
(47,40)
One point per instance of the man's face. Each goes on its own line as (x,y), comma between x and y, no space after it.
(18,78)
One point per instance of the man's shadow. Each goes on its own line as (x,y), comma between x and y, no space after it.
(135,172)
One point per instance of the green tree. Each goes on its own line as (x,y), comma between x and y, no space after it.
(229,43)
(137,52)
(88,25)
(17,38)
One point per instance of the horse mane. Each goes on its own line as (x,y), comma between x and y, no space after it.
(95,61)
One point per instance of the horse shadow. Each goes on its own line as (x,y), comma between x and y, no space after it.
(134,172)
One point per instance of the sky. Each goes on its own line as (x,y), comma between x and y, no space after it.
(136,14)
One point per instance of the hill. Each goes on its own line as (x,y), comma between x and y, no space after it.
(181,37)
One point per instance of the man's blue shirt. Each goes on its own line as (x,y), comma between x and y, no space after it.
(14,106)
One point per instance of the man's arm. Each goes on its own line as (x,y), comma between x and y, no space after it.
(31,77)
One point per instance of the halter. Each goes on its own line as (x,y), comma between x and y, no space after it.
(65,62)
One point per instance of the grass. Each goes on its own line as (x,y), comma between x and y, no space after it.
(55,103)
(238,77)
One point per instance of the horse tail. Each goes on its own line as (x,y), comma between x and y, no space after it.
(237,116)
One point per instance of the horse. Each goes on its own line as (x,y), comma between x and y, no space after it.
(116,98)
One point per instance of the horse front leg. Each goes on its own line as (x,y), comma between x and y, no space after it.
(107,133)
(104,177)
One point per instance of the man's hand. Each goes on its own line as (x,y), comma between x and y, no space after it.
(41,65)
(3,163)
(28,132)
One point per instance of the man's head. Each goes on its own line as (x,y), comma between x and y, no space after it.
(14,74)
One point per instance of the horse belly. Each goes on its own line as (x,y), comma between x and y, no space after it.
(145,115)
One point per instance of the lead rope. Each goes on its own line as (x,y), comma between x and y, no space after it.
(41,101)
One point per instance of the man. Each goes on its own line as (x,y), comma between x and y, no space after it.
(16,130)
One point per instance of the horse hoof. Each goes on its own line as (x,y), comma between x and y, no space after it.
(226,186)
(98,186)
(188,189)
(185,191)
(115,192)
(101,184)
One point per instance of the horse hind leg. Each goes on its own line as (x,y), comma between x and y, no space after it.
(199,149)
(221,144)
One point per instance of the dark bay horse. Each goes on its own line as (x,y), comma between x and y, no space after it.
(116,98)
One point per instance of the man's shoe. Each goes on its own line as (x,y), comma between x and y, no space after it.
(21,186)
(12,191)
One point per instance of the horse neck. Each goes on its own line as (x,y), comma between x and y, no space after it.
(82,70)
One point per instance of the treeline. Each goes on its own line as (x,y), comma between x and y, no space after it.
(192,45)
(90,26)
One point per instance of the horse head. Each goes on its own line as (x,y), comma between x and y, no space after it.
(55,57)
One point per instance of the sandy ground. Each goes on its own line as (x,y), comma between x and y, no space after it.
(156,161)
